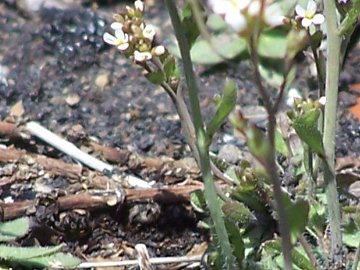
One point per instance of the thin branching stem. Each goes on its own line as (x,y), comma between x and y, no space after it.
(202,140)
(271,163)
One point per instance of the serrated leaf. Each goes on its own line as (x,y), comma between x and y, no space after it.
(280,144)
(351,18)
(225,106)
(236,241)
(157,77)
(11,230)
(307,130)
(237,212)
(22,253)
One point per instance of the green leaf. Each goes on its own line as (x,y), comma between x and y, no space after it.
(296,41)
(258,143)
(351,18)
(227,46)
(170,68)
(306,128)
(317,216)
(157,77)
(57,260)
(23,253)
(237,212)
(273,248)
(273,72)
(225,106)
(11,230)
(236,241)
(272,44)
(189,24)
(351,234)
(280,144)
(197,201)
(298,217)
(216,23)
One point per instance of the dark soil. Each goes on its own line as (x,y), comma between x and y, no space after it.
(50,58)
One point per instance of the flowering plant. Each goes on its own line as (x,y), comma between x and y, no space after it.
(256,197)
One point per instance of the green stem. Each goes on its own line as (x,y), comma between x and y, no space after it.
(271,164)
(202,141)
(331,92)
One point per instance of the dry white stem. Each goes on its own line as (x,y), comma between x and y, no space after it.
(68,148)
(160,260)
(143,257)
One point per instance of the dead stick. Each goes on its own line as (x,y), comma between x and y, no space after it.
(90,201)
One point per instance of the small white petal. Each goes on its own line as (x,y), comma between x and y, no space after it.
(119,34)
(241,4)
(273,15)
(142,56)
(159,50)
(322,100)
(110,39)
(318,19)
(139,5)
(220,7)
(311,7)
(116,25)
(306,22)
(300,11)
(236,20)
(292,95)
(123,47)
(149,32)
(254,8)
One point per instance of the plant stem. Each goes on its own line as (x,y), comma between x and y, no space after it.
(331,92)
(271,164)
(202,142)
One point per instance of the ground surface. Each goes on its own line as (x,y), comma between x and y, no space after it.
(56,67)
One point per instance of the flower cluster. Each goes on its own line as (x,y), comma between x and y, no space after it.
(309,16)
(132,36)
(242,15)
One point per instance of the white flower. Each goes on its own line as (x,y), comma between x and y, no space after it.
(309,15)
(222,7)
(159,50)
(149,32)
(139,5)
(292,95)
(142,56)
(273,15)
(120,40)
(322,100)
(236,20)
(231,10)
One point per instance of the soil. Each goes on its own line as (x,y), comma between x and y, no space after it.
(55,65)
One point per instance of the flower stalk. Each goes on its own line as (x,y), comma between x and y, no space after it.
(331,91)
(201,140)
